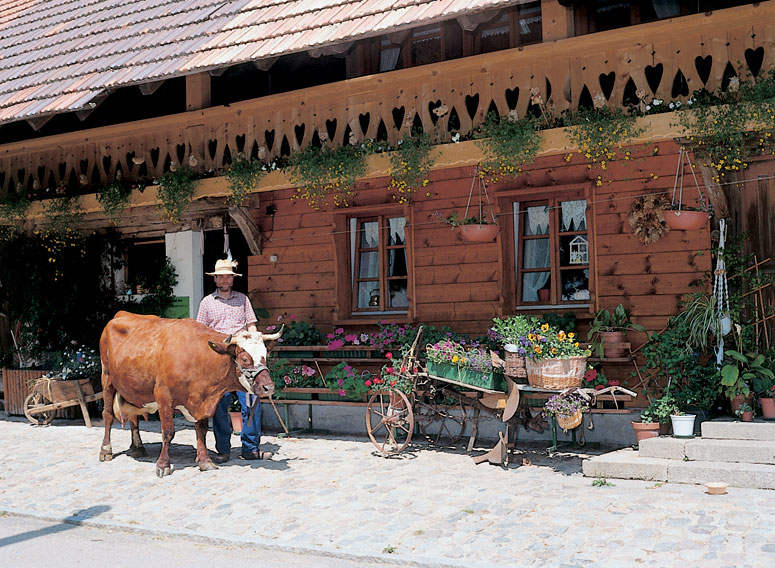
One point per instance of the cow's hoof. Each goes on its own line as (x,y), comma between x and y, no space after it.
(138,452)
(162,471)
(207,466)
(105,456)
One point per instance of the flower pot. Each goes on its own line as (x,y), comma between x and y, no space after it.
(570,422)
(490,381)
(612,337)
(685,220)
(544,294)
(736,402)
(478,233)
(645,430)
(683,425)
(747,416)
(236,422)
(556,373)
(768,408)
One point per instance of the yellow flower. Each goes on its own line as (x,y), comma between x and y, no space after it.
(537,349)
(561,336)
(455,358)
(554,351)
(545,327)
(531,336)
(571,335)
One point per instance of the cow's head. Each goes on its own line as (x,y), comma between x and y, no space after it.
(249,353)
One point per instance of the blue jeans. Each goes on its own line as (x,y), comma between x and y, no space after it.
(251,432)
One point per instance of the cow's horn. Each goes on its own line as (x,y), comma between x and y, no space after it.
(228,339)
(274,336)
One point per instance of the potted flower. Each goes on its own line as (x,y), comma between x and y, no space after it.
(648,427)
(477,229)
(738,374)
(508,332)
(348,344)
(392,378)
(554,359)
(288,379)
(683,424)
(346,382)
(764,386)
(471,365)
(298,333)
(567,409)
(745,412)
(611,327)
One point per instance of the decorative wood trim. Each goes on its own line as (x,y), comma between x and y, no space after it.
(249,229)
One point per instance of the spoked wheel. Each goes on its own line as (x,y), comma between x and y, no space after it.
(33,401)
(441,423)
(390,421)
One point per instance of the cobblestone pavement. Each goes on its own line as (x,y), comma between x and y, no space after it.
(337,496)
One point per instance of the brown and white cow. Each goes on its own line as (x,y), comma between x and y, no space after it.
(154,364)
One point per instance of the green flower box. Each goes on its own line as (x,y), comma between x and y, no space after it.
(331,396)
(295,354)
(296,395)
(347,353)
(490,381)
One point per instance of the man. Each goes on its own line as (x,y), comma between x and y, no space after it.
(228,311)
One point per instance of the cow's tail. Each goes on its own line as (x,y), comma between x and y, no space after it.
(124,410)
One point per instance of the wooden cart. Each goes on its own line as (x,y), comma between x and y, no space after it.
(49,395)
(440,411)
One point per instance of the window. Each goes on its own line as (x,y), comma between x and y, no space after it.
(551,252)
(143,262)
(512,28)
(379,264)
(425,45)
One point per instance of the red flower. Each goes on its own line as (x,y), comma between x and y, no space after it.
(367,383)
(590,375)
(403,369)
(389,355)
(598,387)
(392,383)
(613,383)
(389,370)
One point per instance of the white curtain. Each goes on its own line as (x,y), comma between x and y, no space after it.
(666,8)
(575,212)
(537,220)
(388,58)
(396,227)
(537,254)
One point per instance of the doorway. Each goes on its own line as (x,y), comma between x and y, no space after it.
(213,251)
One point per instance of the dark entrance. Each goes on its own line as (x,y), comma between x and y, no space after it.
(213,251)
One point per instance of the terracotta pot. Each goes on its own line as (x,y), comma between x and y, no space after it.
(236,422)
(645,430)
(613,337)
(768,408)
(543,295)
(737,401)
(685,220)
(747,416)
(478,233)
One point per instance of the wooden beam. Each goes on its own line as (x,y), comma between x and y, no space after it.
(198,94)
(715,193)
(556,21)
(249,229)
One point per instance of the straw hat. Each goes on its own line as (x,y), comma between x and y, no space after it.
(224,267)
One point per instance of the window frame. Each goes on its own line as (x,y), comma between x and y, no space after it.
(510,286)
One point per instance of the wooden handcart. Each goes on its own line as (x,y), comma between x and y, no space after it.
(49,395)
(440,411)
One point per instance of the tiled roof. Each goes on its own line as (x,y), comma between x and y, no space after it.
(59,55)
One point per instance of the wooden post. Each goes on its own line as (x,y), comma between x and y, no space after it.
(249,229)
(198,91)
(556,21)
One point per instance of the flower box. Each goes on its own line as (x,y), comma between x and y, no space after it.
(295,354)
(348,353)
(491,381)
(296,396)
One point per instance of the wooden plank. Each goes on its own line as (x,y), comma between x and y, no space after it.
(643,285)
(674,241)
(292,282)
(459,292)
(439,275)
(657,263)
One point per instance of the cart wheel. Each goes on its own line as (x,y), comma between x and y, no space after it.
(389,423)
(440,422)
(33,401)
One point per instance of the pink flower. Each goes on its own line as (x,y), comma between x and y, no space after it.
(613,383)
(598,387)
(340,382)
(271,327)
(292,317)
(330,336)
(279,318)
(347,368)
(392,383)
(389,355)
(367,383)
(339,330)
(389,370)
(336,344)
(350,337)
(342,392)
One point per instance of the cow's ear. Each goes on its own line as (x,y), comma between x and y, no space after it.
(223,349)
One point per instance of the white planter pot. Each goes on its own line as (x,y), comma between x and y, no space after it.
(683,426)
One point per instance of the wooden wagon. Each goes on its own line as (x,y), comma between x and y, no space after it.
(50,394)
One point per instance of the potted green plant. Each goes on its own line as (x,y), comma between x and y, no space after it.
(745,412)
(611,327)
(508,332)
(662,409)
(764,386)
(476,229)
(298,333)
(648,427)
(738,374)
(680,217)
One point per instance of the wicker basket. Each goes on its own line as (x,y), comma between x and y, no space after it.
(515,365)
(570,422)
(556,373)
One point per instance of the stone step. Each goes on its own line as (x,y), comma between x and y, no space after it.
(627,464)
(730,429)
(715,450)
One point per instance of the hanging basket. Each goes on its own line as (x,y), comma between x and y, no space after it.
(556,373)
(570,422)
(685,220)
(478,233)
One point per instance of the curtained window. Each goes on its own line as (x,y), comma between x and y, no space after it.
(380,269)
(552,252)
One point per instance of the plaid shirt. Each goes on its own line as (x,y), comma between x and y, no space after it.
(228,315)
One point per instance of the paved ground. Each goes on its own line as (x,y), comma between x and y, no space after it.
(336,497)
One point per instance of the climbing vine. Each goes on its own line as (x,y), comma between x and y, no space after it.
(242,177)
(114,198)
(410,164)
(509,144)
(13,207)
(176,192)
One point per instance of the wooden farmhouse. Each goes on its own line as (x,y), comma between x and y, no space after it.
(94,92)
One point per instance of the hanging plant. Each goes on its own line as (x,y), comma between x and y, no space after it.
(114,198)
(62,214)
(728,128)
(323,173)
(646,220)
(13,207)
(409,165)
(509,143)
(600,134)
(176,192)
(243,177)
